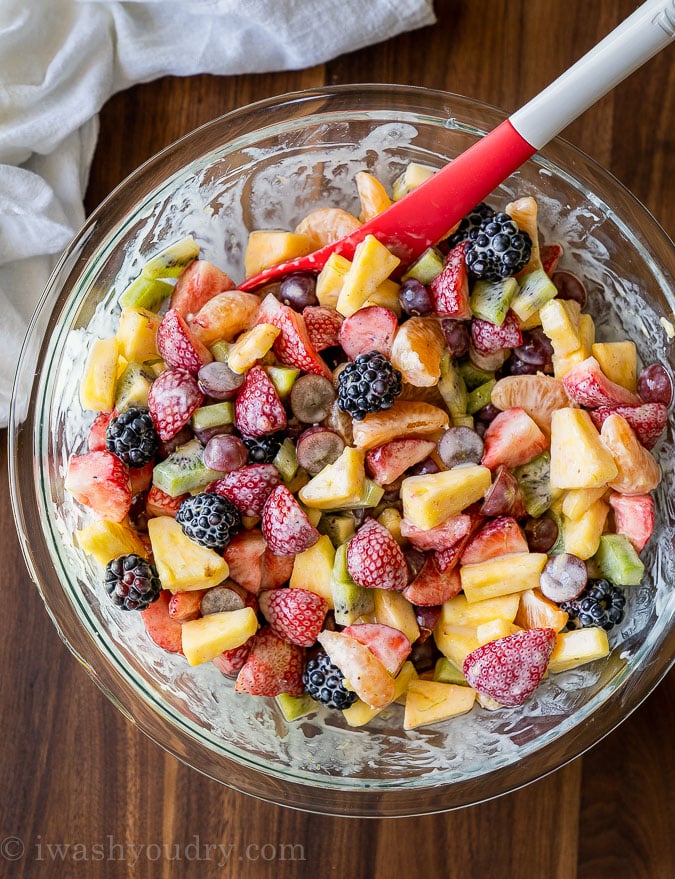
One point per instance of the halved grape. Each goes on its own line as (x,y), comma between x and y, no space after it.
(225,453)
(415,298)
(564,577)
(536,349)
(569,287)
(218,381)
(456,335)
(460,445)
(298,291)
(317,447)
(541,533)
(654,385)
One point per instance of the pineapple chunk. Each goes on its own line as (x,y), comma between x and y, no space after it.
(535,611)
(251,346)
(312,569)
(182,564)
(429,500)
(432,701)
(339,484)
(578,647)
(207,637)
(97,391)
(331,278)
(504,575)
(359,713)
(457,611)
(576,501)
(578,457)
(106,540)
(582,535)
(391,519)
(372,264)
(393,609)
(414,175)
(618,361)
(269,247)
(137,334)
(386,295)
(560,320)
(456,642)
(494,630)
(562,365)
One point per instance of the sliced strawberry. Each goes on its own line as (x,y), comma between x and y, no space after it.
(648,420)
(159,503)
(296,615)
(427,617)
(230,662)
(323,326)
(249,487)
(504,497)
(273,666)
(497,537)
(285,525)
(587,385)
(450,288)
(292,346)
(276,569)
(634,517)
(141,477)
(550,255)
(99,480)
(185,606)
(243,555)
(444,536)
(173,397)
(258,409)
(374,558)
(178,345)
(97,431)
(432,587)
(369,329)
(200,281)
(510,669)
(164,631)
(512,439)
(389,461)
(488,338)
(388,644)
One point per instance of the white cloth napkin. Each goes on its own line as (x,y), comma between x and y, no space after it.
(60,60)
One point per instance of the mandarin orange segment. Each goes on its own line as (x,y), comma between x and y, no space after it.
(373,196)
(539,395)
(418,348)
(405,418)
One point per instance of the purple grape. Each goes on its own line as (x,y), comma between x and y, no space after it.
(298,291)
(563,578)
(569,287)
(541,534)
(487,414)
(415,298)
(425,467)
(225,453)
(515,366)
(655,385)
(415,559)
(456,335)
(218,381)
(536,349)
(460,445)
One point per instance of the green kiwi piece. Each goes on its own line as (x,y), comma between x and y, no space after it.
(452,388)
(350,600)
(184,470)
(534,481)
(480,397)
(338,527)
(173,260)
(617,561)
(491,300)
(145,293)
(473,375)
(447,672)
(426,267)
(132,387)
(213,415)
(536,288)
(283,378)
(286,461)
(293,707)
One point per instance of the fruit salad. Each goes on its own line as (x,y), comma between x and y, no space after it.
(426,484)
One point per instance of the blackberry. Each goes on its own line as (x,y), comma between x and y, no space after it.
(497,248)
(132,437)
(469,223)
(324,683)
(209,519)
(132,582)
(600,604)
(368,384)
(262,449)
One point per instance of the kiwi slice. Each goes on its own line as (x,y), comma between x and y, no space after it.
(184,470)
(145,293)
(350,600)
(473,375)
(534,481)
(491,300)
(426,267)
(617,561)
(132,387)
(283,378)
(293,707)
(447,672)
(480,397)
(220,350)
(339,528)
(286,461)
(452,388)
(213,415)
(173,260)
(536,288)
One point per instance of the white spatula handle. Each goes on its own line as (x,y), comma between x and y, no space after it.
(648,30)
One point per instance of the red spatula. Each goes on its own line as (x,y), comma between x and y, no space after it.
(424,215)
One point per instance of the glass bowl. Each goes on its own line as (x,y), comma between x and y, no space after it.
(265,166)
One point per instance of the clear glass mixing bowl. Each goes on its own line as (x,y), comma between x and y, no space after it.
(266,166)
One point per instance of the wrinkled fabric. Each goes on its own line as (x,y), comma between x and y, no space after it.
(60,60)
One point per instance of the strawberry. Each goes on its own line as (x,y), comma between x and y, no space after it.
(369,329)
(292,346)
(97,431)
(431,587)
(276,569)
(162,629)
(389,461)
(550,255)
(388,644)
(488,338)
(648,420)
(243,555)
(178,346)
(323,326)
(296,615)
(444,536)
(185,606)
(587,385)
(173,397)
(504,497)
(159,503)
(230,662)
(633,517)
(200,282)
(510,669)
(512,438)
(497,537)
(272,666)
(450,288)
(249,487)
(285,525)
(141,477)
(99,480)
(375,560)
(258,409)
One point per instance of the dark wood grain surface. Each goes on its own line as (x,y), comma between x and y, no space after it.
(86,794)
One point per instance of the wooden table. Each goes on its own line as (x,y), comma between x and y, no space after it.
(74,771)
